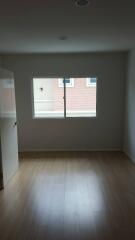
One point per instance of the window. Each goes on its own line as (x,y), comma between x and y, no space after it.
(64,97)
(68,81)
(91,82)
(48,98)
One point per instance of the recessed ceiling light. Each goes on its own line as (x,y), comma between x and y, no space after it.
(63,38)
(82,3)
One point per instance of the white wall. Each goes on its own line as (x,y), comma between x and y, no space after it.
(129,138)
(103,133)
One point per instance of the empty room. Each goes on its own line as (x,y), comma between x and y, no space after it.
(67,120)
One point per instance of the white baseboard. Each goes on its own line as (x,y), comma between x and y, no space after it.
(72,150)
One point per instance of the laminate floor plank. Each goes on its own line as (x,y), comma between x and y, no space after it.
(68,196)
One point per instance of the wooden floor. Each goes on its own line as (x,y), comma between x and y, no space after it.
(70,196)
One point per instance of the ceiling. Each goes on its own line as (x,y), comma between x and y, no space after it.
(35,26)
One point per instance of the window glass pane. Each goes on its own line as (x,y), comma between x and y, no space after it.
(81,100)
(93,80)
(67,81)
(48,98)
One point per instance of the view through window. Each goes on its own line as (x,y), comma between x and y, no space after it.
(64,97)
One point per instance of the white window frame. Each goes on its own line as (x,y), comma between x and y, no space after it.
(41,116)
(90,84)
(61,84)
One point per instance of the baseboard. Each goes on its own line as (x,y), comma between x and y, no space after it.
(42,153)
(72,150)
(132,158)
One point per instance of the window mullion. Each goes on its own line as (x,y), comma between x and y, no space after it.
(64,97)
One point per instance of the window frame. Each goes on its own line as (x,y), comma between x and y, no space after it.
(32,97)
(64,97)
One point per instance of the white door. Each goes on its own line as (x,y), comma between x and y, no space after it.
(8,127)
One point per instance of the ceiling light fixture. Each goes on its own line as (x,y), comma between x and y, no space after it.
(82,3)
